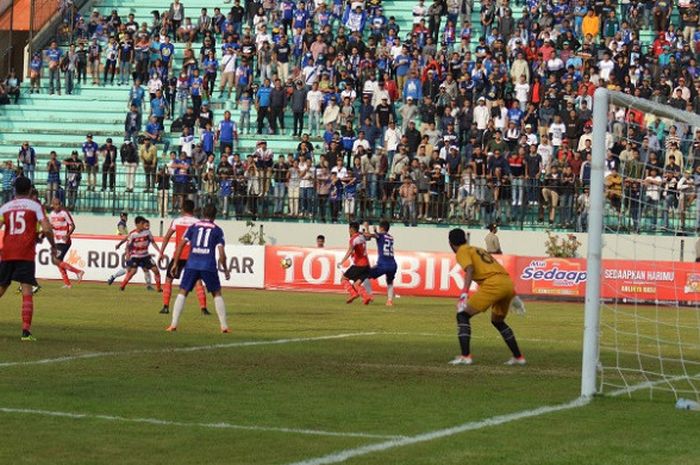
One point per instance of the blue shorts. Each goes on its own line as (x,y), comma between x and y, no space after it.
(384,269)
(190,278)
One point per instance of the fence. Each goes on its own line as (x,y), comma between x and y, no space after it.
(478,201)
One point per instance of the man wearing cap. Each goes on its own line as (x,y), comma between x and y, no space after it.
(109,160)
(90,149)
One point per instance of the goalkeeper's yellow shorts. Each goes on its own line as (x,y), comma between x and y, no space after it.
(495,292)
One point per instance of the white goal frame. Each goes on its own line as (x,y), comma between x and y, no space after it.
(591,332)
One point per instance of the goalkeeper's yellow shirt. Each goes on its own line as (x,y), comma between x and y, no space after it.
(485,266)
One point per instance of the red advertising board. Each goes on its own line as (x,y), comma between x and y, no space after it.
(420,274)
(629,280)
(438,275)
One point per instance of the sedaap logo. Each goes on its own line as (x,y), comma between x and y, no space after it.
(538,271)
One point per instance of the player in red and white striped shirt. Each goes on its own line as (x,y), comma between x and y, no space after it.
(179,227)
(63,227)
(20,218)
(138,242)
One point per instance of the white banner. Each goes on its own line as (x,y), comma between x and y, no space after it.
(99,259)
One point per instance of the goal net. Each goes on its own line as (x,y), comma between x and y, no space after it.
(642,323)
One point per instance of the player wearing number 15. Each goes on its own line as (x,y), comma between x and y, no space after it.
(20,218)
(204,238)
(496,291)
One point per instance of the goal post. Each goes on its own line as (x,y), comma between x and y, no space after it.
(681,362)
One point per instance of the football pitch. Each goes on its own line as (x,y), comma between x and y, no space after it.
(306,379)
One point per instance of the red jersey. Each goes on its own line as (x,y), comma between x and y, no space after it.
(359,250)
(139,242)
(61,222)
(20,218)
(180,226)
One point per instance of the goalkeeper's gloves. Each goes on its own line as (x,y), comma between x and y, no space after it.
(462,303)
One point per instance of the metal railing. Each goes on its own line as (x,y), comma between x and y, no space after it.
(516,204)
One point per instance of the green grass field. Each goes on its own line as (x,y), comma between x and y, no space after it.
(293,396)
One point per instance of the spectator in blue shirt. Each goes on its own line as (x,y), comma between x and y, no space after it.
(159,107)
(262,104)
(90,149)
(402,64)
(413,87)
(53,56)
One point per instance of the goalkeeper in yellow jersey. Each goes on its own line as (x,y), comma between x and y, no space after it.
(496,291)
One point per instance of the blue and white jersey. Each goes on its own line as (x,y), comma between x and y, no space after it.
(204,237)
(385,249)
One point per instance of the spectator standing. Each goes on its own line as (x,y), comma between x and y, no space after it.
(53,179)
(148,154)
(53,56)
(298,103)
(130,160)
(493,245)
(90,158)
(109,164)
(278,102)
(74,169)
(26,158)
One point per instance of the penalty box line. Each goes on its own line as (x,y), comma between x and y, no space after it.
(71,358)
(219,425)
(342,456)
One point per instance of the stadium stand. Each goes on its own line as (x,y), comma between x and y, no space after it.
(488,126)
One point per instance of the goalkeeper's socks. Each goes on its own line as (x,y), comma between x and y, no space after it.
(220,307)
(508,336)
(167,291)
(177,310)
(201,295)
(464,332)
(119,273)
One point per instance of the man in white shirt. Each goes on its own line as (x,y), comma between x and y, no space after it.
(392,138)
(606,66)
(360,142)
(313,106)
(481,115)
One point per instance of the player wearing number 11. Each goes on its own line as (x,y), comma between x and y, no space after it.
(204,238)
(20,218)
(496,291)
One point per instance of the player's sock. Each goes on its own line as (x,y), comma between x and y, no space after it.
(220,307)
(147,278)
(368,286)
(64,275)
(464,332)
(119,273)
(167,291)
(69,267)
(508,336)
(177,310)
(126,281)
(201,295)
(360,289)
(349,288)
(27,312)
(158,287)
(390,291)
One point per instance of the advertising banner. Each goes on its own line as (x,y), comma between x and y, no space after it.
(419,274)
(627,280)
(97,256)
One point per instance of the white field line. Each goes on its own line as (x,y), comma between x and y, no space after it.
(71,358)
(346,454)
(222,425)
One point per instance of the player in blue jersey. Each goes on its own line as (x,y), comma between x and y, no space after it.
(386,263)
(204,239)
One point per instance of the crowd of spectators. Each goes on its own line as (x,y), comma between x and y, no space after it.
(450,119)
